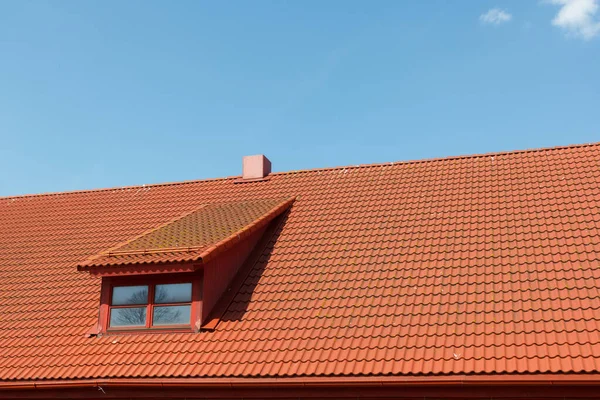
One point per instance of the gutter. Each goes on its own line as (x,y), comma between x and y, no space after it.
(307,382)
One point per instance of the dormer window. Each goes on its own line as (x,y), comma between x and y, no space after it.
(151,306)
(171,278)
(151,303)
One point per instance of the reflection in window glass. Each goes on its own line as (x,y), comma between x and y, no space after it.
(173,293)
(130,316)
(124,295)
(171,315)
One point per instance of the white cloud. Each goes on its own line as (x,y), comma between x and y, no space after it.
(577,17)
(495,16)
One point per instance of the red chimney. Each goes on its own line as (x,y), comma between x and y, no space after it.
(255,167)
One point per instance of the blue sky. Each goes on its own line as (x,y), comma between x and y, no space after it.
(112,93)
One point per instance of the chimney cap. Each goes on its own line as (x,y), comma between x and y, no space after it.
(255,167)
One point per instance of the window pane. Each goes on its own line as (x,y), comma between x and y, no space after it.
(173,293)
(172,315)
(130,316)
(124,295)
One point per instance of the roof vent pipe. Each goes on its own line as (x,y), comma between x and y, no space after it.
(255,167)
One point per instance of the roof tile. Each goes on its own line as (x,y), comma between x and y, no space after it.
(483,264)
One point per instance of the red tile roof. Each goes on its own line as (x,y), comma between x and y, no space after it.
(193,236)
(468,265)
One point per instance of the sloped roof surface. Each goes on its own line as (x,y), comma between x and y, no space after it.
(479,265)
(187,237)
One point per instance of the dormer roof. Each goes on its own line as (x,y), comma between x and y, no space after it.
(195,236)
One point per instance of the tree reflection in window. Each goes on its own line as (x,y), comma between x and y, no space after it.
(130,316)
(172,315)
(126,295)
(172,293)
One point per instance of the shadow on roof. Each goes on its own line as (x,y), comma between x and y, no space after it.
(254,270)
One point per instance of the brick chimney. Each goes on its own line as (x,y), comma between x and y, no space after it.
(255,167)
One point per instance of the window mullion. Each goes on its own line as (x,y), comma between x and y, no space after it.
(149,309)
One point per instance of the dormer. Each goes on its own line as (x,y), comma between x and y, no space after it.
(172,277)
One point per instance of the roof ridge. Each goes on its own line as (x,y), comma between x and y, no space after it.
(340,167)
(439,159)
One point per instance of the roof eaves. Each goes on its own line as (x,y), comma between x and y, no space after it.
(150,267)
